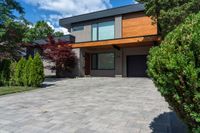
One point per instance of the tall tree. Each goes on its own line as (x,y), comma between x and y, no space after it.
(41,30)
(12,28)
(170,13)
(11,35)
(6,10)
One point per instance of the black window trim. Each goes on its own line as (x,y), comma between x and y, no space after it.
(79,26)
(96,54)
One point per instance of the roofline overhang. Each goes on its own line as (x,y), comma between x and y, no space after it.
(134,41)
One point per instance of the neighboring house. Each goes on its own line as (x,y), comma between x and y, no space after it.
(113,42)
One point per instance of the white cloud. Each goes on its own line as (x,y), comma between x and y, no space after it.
(60,29)
(135,2)
(66,8)
(70,7)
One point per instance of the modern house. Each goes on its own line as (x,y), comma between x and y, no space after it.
(113,42)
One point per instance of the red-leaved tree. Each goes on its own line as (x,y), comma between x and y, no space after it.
(61,54)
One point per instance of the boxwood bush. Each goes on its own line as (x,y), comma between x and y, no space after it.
(174,67)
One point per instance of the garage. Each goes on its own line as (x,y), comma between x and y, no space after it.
(136,66)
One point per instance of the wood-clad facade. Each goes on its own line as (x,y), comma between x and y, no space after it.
(137,24)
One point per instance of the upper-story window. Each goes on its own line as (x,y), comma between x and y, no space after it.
(103,31)
(77,28)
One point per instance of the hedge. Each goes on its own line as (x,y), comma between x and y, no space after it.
(22,73)
(174,67)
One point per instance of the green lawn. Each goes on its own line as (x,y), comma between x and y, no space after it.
(14,89)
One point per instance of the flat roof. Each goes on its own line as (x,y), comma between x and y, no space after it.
(66,22)
(64,38)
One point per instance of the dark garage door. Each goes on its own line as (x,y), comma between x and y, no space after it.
(136,66)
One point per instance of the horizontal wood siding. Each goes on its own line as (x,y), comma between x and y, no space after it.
(137,24)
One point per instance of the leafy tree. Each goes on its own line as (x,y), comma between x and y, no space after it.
(36,71)
(11,39)
(26,72)
(18,76)
(6,10)
(12,28)
(58,34)
(170,13)
(175,69)
(41,30)
(61,55)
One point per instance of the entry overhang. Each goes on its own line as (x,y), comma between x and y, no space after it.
(118,42)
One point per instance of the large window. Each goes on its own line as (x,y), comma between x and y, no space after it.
(103,31)
(103,61)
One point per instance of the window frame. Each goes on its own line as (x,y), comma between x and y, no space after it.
(97,34)
(98,31)
(78,26)
(97,61)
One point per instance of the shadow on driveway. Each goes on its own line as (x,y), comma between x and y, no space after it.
(175,126)
(51,81)
(44,85)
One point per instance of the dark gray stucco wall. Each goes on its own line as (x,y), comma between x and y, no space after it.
(83,35)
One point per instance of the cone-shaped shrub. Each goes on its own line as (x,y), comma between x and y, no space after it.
(175,69)
(36,71)
(18,76)
(26,72)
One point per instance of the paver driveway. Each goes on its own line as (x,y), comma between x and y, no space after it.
(88,105)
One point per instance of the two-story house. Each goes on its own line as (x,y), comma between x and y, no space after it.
(113,42)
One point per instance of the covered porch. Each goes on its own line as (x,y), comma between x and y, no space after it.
(115,58)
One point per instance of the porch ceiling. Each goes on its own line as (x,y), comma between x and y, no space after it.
(134,41)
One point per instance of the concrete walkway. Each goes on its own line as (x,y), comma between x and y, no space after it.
(89,105)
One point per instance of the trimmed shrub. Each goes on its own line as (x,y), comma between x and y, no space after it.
(26,72)
(5,72)
(18,76)
(174,67)
(36,71)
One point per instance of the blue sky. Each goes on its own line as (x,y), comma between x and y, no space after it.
(52,10)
